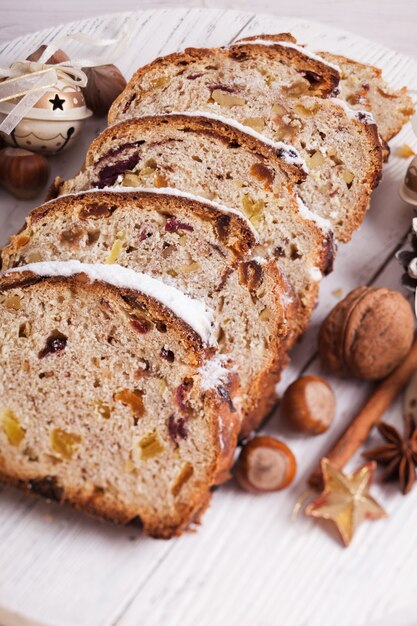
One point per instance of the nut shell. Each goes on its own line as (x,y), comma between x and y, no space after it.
(367,334)
(309,405)
(265,464)
(105,83)
(23,173)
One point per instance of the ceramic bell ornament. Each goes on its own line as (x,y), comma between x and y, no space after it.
(52,124)
(52,110)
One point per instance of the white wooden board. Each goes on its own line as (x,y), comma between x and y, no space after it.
(248,564)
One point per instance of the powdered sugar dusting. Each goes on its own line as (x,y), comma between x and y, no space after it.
(194,312)
(214,373)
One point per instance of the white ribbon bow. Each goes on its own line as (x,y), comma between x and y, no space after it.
(29,80)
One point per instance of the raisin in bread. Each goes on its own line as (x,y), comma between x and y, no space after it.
(246,82)
(206,155)
(92,411)
(200,247)
(362,86)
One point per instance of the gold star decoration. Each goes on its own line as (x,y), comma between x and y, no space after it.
(345,500)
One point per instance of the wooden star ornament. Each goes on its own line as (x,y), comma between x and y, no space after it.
(345,500)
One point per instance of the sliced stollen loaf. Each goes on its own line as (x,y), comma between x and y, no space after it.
(200,247)
(91,410)
(247,82)
(363,87)
(207,155)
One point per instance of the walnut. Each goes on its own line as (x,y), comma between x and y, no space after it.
(367,334)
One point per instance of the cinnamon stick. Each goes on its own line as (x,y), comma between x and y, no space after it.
(369,415)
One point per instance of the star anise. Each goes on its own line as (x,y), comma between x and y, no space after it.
(398,454)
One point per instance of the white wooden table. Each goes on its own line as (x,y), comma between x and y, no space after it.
(249,564)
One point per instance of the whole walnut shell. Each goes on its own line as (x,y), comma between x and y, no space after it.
(105,83)
(367,334)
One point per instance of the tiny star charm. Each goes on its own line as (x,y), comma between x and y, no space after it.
(345,500)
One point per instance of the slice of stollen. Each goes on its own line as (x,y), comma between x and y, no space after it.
(200,247)
(112,397)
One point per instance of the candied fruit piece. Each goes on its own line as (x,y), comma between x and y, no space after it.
(177,428)
(307,111)
(25,330)
(72,236)
(116,249)
(253,209)
(167,354)
(11,427)
(298,88)
(34,257)
(261,172)
(102,409)
(348,177)
(315,160)
(12,302)
(257,123)
(133,399)
(189,268)
(226,99)
(162,81)
(150,446)
(185,475)
(20,240)
(173,225)
(160,180)
(64,443)
(131,180)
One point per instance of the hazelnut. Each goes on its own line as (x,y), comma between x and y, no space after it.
(58,56)
(367,334)
(105,83)
(265,464)
(309,405)
(23,173)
